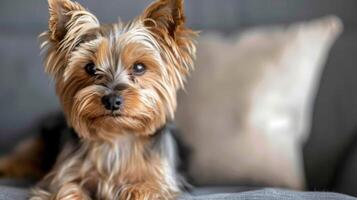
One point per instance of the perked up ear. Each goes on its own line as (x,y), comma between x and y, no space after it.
(167,15)
(65,14)
(166,19)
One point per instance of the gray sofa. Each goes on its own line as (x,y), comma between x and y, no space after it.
(330,154)
(9,193)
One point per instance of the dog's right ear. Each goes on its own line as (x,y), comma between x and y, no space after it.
(66,15)
(69,22)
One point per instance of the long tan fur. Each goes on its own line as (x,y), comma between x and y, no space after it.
(116,158)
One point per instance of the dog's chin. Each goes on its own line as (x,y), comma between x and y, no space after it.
(114,123)
(116,118)
(103,124)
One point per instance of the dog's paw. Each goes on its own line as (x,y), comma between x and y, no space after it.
(68,191)
(143,192)
(71,191)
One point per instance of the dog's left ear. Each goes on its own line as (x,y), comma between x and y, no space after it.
(166,19)
(167,15)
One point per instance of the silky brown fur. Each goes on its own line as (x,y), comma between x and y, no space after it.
(24,161)
(119,156)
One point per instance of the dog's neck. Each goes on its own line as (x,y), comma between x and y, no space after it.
(112,157)
(126,150)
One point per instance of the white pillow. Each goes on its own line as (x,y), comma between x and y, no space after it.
(247,109)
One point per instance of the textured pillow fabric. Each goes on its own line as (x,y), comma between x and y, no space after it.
(246,111)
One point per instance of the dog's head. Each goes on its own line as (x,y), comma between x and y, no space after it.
(118,78)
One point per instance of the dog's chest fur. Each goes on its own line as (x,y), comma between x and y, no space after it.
(102,168)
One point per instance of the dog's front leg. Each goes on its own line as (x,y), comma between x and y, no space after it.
(69,191)
(146,191)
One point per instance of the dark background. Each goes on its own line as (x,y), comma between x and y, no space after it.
(26,93)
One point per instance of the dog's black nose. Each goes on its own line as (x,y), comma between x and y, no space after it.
(112,102)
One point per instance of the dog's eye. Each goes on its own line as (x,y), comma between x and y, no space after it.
(139,69)
(90,69)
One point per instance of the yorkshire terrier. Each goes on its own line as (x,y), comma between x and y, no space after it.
(117,85)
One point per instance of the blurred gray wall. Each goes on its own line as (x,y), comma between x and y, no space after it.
(26,93)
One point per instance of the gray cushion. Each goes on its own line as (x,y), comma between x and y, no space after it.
(270,194)
(7,193)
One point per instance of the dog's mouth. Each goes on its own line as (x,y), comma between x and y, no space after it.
(114,116)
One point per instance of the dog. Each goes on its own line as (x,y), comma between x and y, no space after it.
(117,84)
